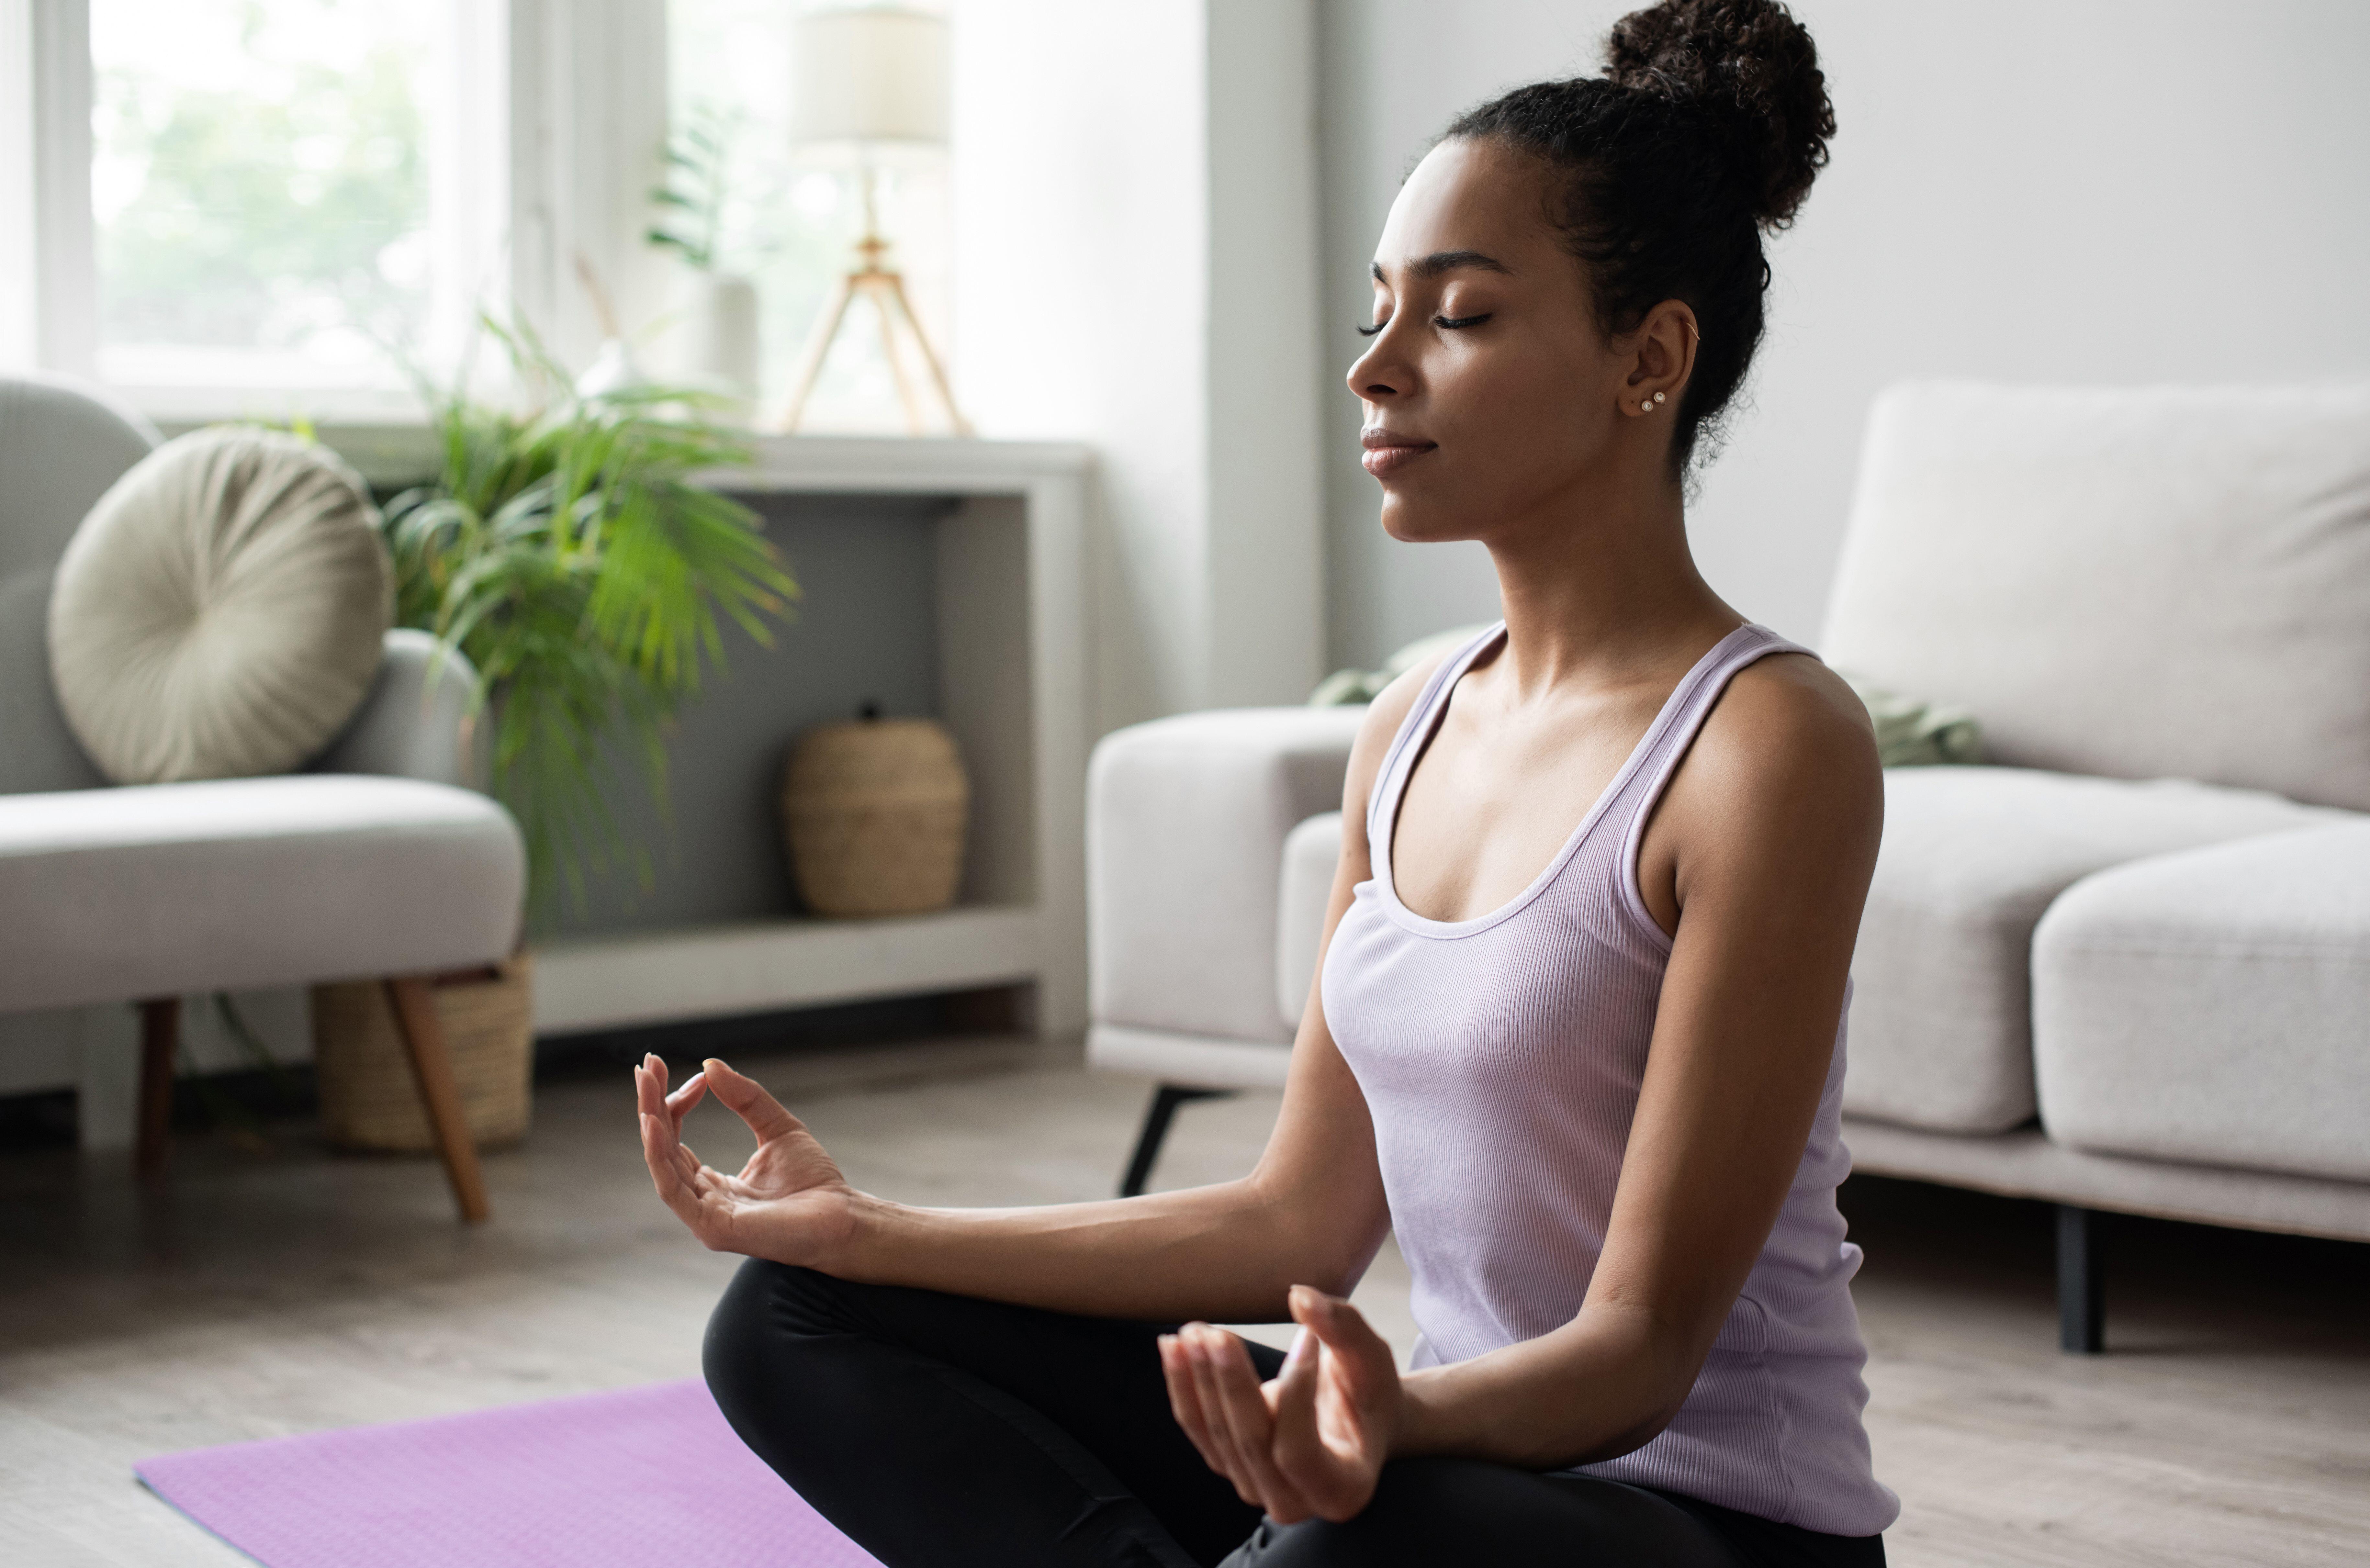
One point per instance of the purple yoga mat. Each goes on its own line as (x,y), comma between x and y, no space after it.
(621,1479)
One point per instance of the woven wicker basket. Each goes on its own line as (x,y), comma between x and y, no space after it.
(874,812)
(369,1098)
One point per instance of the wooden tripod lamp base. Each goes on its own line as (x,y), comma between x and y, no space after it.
(885,288)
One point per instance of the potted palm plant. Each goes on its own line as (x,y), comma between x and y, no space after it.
(567,549)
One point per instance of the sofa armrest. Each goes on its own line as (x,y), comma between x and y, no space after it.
(416,723)
(1185,820)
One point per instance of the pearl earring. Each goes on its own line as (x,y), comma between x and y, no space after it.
(1658,396)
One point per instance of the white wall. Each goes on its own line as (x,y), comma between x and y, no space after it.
(2113,191)
(1114,165)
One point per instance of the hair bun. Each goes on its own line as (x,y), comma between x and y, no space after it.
(1753,68)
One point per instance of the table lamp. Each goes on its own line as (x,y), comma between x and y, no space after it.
(869,86)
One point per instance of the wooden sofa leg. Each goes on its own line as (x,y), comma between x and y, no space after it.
(432,1068)
(1156,1117)
(160,1034)
(2082,1301)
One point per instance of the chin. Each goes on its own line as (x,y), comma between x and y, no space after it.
(1413,521)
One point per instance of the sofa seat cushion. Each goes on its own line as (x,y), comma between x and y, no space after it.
(160,890)
(2214,1007)
(1940,1032)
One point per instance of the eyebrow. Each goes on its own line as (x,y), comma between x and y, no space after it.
(1440,261)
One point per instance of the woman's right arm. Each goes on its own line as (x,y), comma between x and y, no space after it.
(1311,1212)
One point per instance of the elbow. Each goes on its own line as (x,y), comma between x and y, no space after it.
(1327,1245)
(1631,1438)
(1667,1358)
(1327,1267)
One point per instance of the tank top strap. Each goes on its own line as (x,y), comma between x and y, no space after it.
(1406,745)
(1665,746)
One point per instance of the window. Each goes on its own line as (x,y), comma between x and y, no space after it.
(279,207)
(283,193)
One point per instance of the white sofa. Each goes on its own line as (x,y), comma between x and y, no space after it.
(376,861)
(2123,965)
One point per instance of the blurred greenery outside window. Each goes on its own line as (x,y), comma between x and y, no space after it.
(280,198)
(790,227)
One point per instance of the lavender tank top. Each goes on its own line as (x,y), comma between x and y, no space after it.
(1500,1058)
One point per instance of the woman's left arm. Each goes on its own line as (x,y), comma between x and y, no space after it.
(1759,856)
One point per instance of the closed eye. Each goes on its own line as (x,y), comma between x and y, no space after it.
(1451,323)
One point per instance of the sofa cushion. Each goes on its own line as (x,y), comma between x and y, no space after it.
(158,889)
(2214,1007)
(2169,583)
(218,614)
(1312,853)
(1940,1021)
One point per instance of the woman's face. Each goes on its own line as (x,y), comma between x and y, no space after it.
(1490,397)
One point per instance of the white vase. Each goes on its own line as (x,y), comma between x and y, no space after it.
(720,332)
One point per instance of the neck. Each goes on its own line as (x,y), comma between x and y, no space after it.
(1600,585)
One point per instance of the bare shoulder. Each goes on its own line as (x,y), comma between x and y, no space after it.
(1788,742)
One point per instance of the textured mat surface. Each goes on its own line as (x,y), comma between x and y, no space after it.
(636,1477)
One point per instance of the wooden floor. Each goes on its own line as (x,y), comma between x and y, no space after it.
(265,1293)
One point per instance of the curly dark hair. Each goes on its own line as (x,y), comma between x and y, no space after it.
(1707,128)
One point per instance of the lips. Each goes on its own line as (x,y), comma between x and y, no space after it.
(1388,450)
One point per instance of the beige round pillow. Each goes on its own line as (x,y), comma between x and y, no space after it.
(220,611)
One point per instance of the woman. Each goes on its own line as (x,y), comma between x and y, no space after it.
(1591,1074)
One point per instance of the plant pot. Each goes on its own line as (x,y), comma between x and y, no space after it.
(875,813)
(369,1097)
(720,332)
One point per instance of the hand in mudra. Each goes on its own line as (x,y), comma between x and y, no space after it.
(789,1203)
(1310,1440)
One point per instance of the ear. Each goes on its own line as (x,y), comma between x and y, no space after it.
(1661,355)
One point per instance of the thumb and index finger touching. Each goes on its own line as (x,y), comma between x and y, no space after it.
(747,1099)
(740,1093)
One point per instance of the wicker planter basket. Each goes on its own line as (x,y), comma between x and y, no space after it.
(369,1098)
(874,811)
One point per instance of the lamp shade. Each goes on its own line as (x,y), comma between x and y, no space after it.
(866,79)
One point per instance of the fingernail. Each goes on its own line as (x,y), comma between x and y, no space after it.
(1299,1343)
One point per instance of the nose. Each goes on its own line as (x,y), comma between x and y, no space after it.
(1378,374)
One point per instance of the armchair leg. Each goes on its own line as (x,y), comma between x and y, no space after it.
(2081,1303)
(160,1033)
(1156,1117)
(432,1068)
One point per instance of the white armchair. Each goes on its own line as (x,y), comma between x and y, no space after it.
(376,861)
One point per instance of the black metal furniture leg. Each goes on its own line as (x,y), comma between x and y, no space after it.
(1156,1117)
(2081,1302)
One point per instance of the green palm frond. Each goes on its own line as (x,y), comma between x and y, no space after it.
(566,552)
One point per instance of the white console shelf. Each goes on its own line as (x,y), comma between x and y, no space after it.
(1012,687)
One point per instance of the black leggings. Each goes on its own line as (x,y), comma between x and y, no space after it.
(940,1429)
